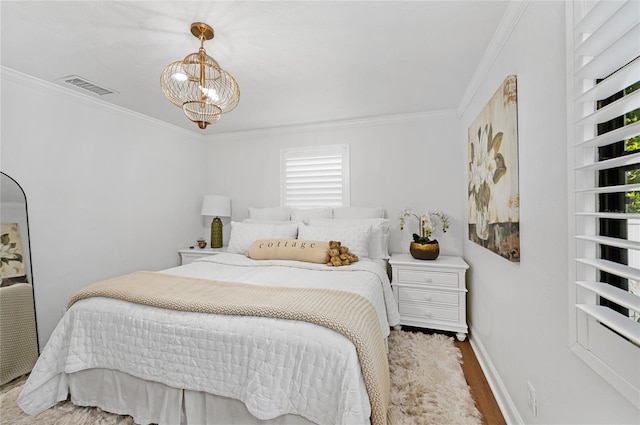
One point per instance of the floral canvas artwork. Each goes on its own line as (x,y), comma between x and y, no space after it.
(12,259)
(494,200)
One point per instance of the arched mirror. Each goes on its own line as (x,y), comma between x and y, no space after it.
(18,331)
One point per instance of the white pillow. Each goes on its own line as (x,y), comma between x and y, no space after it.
(379,240)
(277,222)
(356,238)
(358,212)
(304,214)
(273,213)
(243,235)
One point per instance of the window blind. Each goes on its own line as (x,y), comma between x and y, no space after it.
(605,148)
(315,177)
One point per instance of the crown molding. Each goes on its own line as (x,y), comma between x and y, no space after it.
(336,125)
(29,80)
(40,84)
(508,23)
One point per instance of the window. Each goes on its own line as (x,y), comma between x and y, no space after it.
(315,176)
(604,145)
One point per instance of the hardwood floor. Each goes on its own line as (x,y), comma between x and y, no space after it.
(480,390)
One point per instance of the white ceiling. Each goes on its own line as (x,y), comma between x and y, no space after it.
(296,62)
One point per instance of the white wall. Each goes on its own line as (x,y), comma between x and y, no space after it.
(108,192)
(399,162)
(519,312)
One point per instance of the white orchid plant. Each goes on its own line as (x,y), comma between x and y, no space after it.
(487,165)
(429,223)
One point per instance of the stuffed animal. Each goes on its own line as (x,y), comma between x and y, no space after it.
(339,255)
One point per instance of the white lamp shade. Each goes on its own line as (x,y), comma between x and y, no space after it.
(216,206)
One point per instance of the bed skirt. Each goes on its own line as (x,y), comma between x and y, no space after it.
(120,393)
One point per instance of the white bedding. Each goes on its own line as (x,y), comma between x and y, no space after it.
(274,366)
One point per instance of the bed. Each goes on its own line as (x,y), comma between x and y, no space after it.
(166,366)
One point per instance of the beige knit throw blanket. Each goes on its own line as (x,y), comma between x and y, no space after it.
(347,313)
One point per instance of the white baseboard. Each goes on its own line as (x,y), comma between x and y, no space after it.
(508,409)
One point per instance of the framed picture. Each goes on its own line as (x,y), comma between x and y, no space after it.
(12,266)
(494,199)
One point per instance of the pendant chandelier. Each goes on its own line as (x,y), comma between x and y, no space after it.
(198,85)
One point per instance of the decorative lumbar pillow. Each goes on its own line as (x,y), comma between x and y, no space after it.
(290,249)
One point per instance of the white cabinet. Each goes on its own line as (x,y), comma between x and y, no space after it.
(189,254)
(431,293)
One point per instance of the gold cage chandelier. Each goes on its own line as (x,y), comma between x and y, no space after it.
(199,85)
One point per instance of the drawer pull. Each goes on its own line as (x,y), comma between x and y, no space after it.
(428,314)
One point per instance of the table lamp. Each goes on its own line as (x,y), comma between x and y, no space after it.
(216,207)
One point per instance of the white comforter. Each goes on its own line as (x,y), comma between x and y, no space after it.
(274,366)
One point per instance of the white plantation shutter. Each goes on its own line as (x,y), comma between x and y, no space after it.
(315,177)
(604,42)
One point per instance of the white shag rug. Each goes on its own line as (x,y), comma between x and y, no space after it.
(427,387)
(427,382)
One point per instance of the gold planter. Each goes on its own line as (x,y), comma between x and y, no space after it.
(427,251)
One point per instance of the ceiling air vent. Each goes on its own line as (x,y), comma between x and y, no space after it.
(84,84)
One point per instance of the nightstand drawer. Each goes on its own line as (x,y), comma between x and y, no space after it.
(428,277)
(419,295)
(189,255)
(428,313)
(186,258)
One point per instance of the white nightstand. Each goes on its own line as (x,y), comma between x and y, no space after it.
(190,254)
(431,293)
